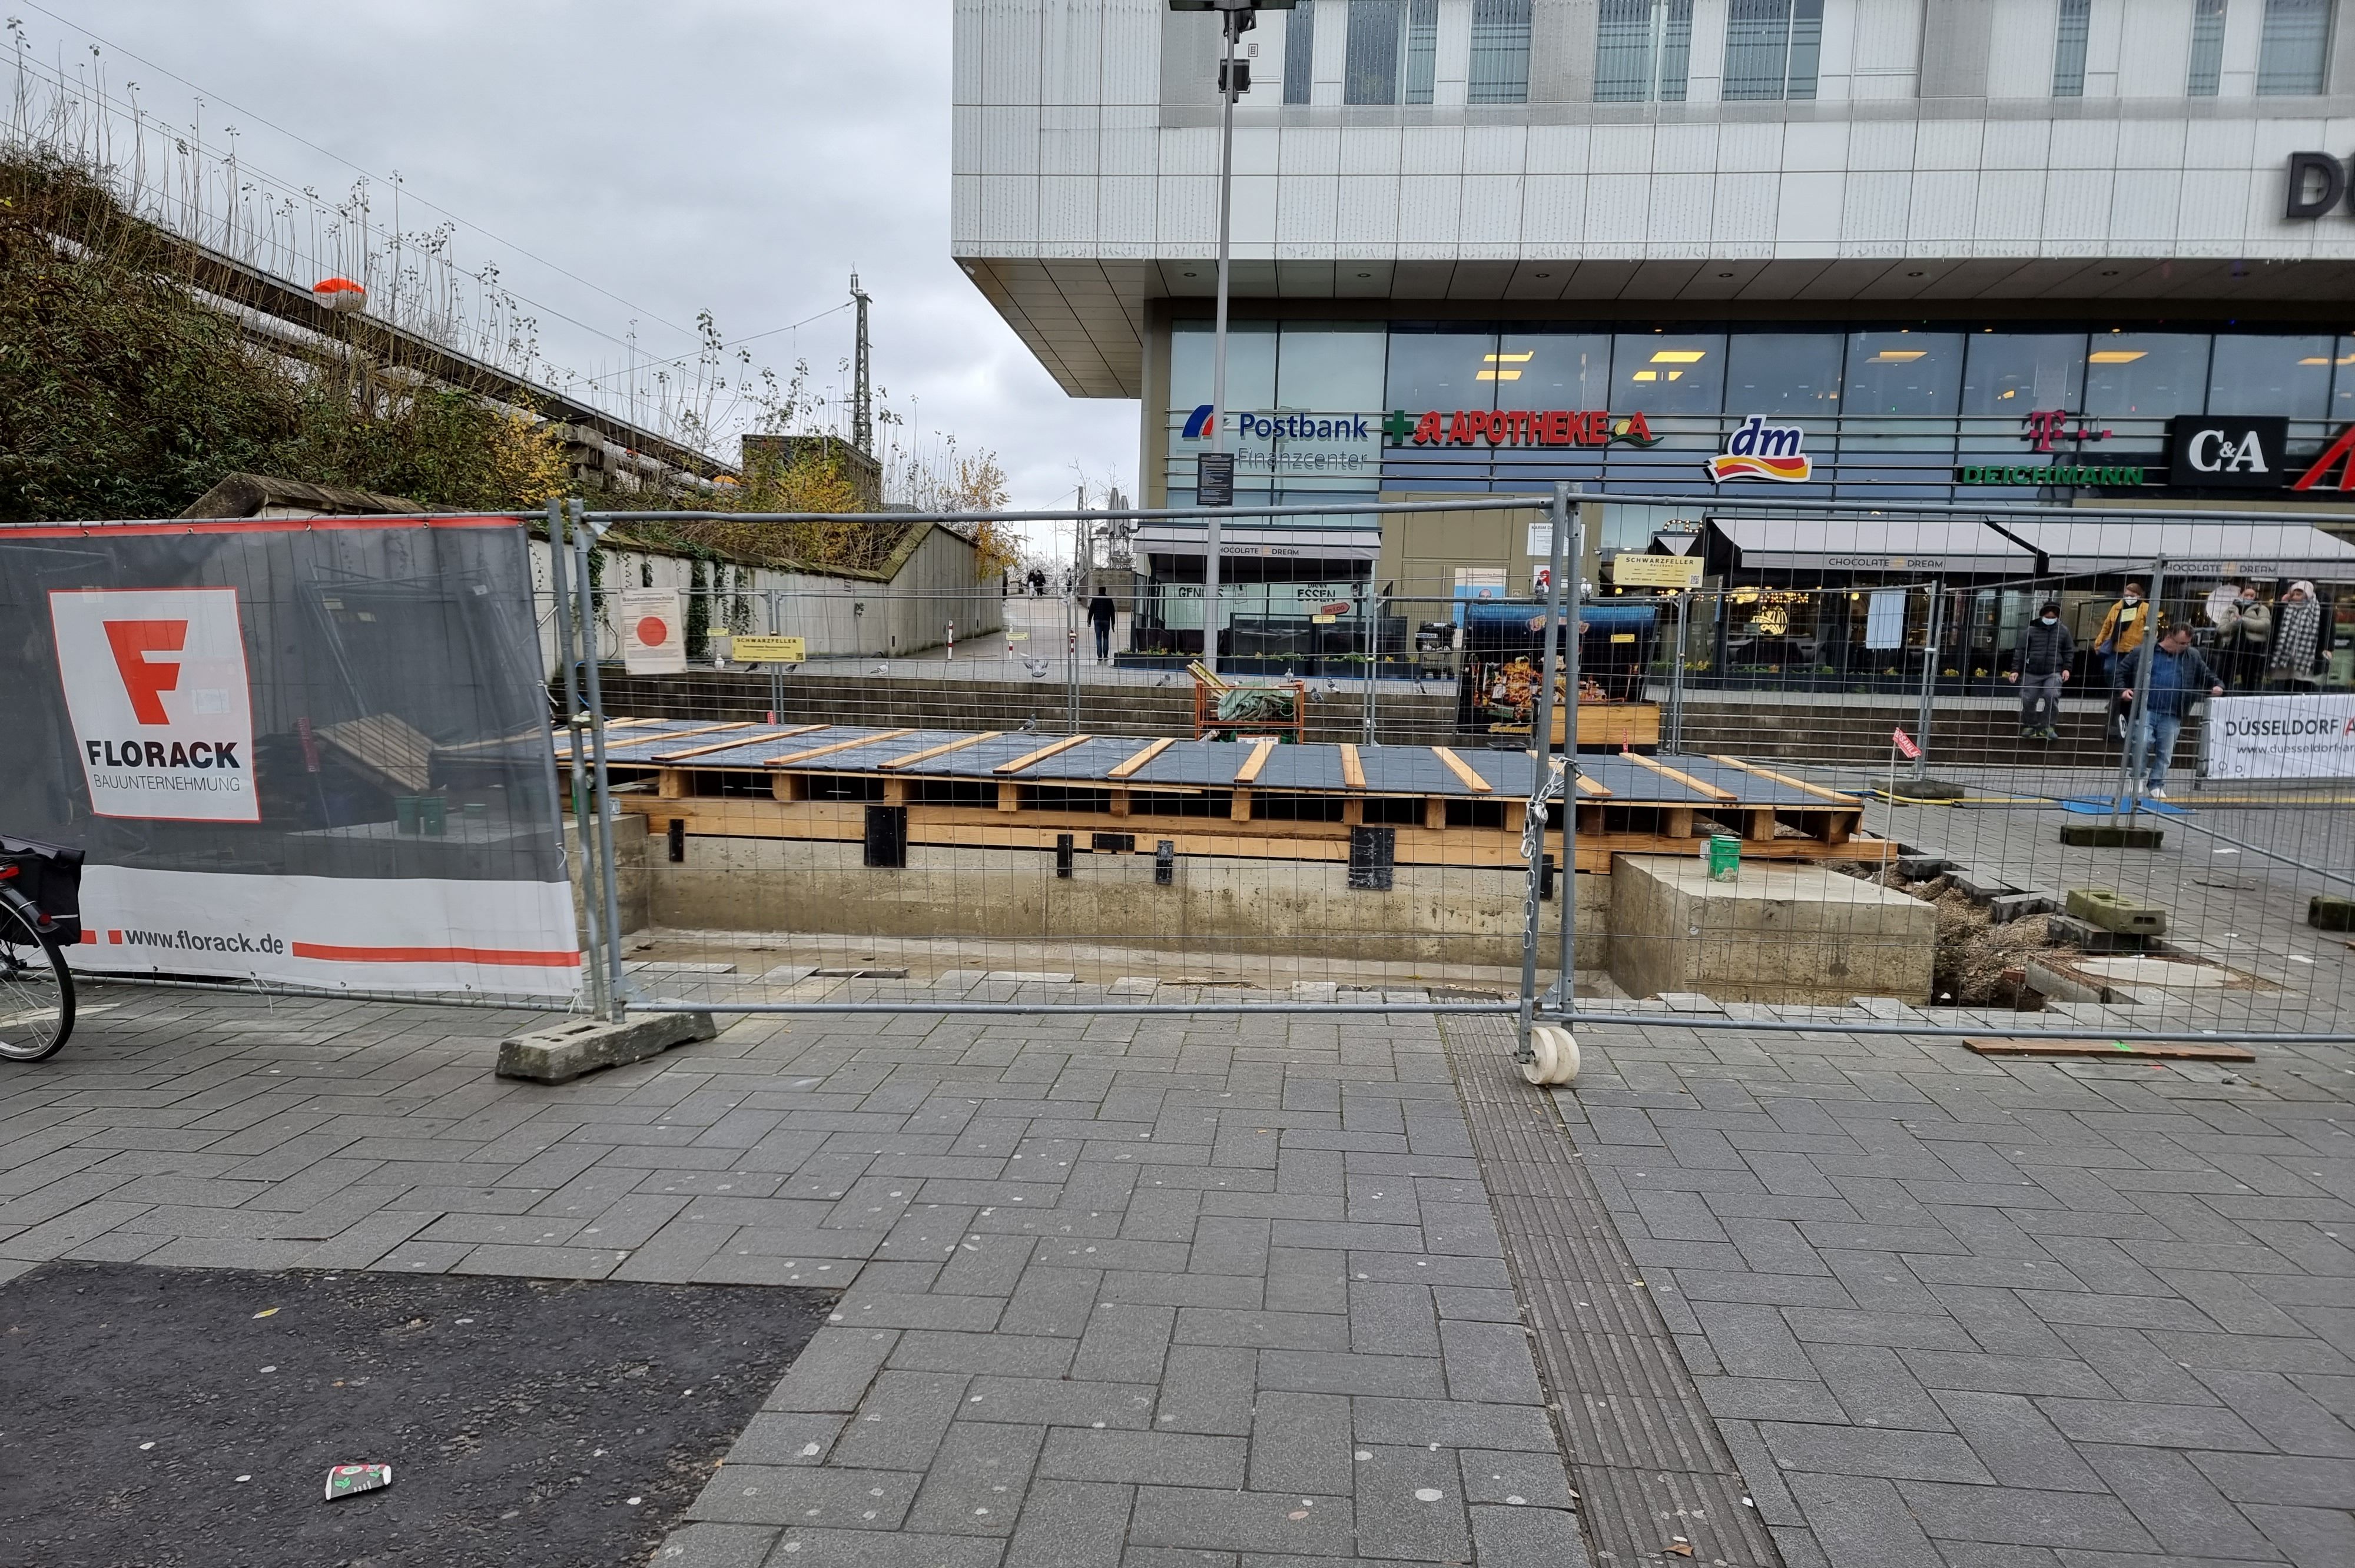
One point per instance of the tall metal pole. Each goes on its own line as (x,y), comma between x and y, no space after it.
(604,802)
(862,423)
(1533,835)
(577,743)
(1929,686)
(1570,518)
(1231,21)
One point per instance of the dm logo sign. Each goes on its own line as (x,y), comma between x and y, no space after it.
(1761,450)
(162,717)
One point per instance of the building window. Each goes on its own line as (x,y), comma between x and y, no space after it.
(1393,46)
(1641,50)
(2069,48)
(1500,51)
(2207,48)
(2294,55)
(1771,48)
(1299,53)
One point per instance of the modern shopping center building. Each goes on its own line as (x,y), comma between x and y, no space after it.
(2090,253)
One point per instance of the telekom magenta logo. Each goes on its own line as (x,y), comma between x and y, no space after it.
(143,680)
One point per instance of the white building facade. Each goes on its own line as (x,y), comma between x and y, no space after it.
(1997,248)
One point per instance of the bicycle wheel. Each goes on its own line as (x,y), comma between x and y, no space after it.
(36,998)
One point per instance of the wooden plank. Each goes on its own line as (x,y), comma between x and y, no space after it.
(1762,823)
(738,740)
(1248,772)
(1239,805)
(627,723)
(1353,772)
(1707,792)
(1816,789)
(1434,813)
(1009,795)
(930,752)
(1461,770)
(2169,1050)
(1592,787)
(671,784)
(1135,764)
(789,760)
(1044,752)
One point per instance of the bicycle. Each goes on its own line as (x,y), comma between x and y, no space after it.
(40,916)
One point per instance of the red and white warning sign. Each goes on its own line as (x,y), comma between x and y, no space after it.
(1903,742)
(163,715)
(654,632)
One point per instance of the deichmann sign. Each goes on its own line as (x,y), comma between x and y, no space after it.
(2063,474)
(155,687)
(2301,736)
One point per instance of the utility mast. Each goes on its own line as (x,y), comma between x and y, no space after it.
(862,424)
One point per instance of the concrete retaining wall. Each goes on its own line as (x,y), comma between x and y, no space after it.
(1779,932)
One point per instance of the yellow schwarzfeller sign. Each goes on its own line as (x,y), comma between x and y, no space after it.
(769,649)
(1656,571)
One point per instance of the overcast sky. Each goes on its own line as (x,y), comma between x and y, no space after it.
(737,156)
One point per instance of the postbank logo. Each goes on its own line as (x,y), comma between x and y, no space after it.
(1760,450)
(155,689)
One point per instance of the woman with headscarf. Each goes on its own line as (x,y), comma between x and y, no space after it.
(2302,640)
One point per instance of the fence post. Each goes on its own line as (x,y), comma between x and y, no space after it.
(2137,747)
(1373,629)
(1676,684)
(610,895)
(1540,766)
(575,746)
(1565,505)
(1929,688)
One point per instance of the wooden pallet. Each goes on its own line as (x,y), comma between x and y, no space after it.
(2178,1051)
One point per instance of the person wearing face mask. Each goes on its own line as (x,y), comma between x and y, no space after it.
(2044,657)
(2303,635)
(2244,632)
(2123,629)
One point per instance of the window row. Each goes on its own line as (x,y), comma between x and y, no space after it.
(1643,50)
(1349,368)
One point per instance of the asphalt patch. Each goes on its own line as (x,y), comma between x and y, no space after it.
(168,1417)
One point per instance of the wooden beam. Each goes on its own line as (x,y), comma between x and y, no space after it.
(1248,772)
(739,740)
(1463,770)
(670,783)
(1239,806)
(2183,1052)
(678,734)
(895,792)
(1044,752)
(1708,791)
(1816,789)
(1135,764)
(1434,813)
(1009,795)
(792,757)
(1593,787)
(1353,773)
(1120,802)
(930,752)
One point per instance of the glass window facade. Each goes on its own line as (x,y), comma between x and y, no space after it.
(2017,374)
(1553,370)
(2294,51)
(1785,374)
(2146,375)
(1500,52)
(1642,50)
(1911,373)
(1771,48)
(1371,66)
(2069,48)
(2207,49)
(2288,376)
(1674,373)
(1441,370)
(1299,52)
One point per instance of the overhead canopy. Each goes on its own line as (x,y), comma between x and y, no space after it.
(1925,545)
(1167,538)
(2192,549)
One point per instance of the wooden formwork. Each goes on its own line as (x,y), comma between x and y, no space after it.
(1254,800)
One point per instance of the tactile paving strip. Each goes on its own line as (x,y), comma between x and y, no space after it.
(1645,1455)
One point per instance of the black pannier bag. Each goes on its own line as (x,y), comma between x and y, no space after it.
(50,876)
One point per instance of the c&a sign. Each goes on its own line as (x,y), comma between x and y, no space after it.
(155,687)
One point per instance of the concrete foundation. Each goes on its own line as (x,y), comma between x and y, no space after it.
(1458,914)
(1779,932)
(565,1051)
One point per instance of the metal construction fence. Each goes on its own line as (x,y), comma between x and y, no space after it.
(1874,792)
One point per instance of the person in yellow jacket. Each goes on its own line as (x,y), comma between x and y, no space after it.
(2123,629)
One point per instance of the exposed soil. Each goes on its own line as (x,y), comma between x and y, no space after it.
(1977,963)
(150,1418)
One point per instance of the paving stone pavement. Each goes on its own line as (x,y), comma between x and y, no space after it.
(1959,1313)
(1229,1291)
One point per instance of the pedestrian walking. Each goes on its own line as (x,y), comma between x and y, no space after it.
(1101,612)
(2179,677)
(2303,638)
(2244,636)
(2121,635)
(2044,658)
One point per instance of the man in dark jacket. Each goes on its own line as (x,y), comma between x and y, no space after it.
(2044,657)
(2179,677)
(1101,612)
